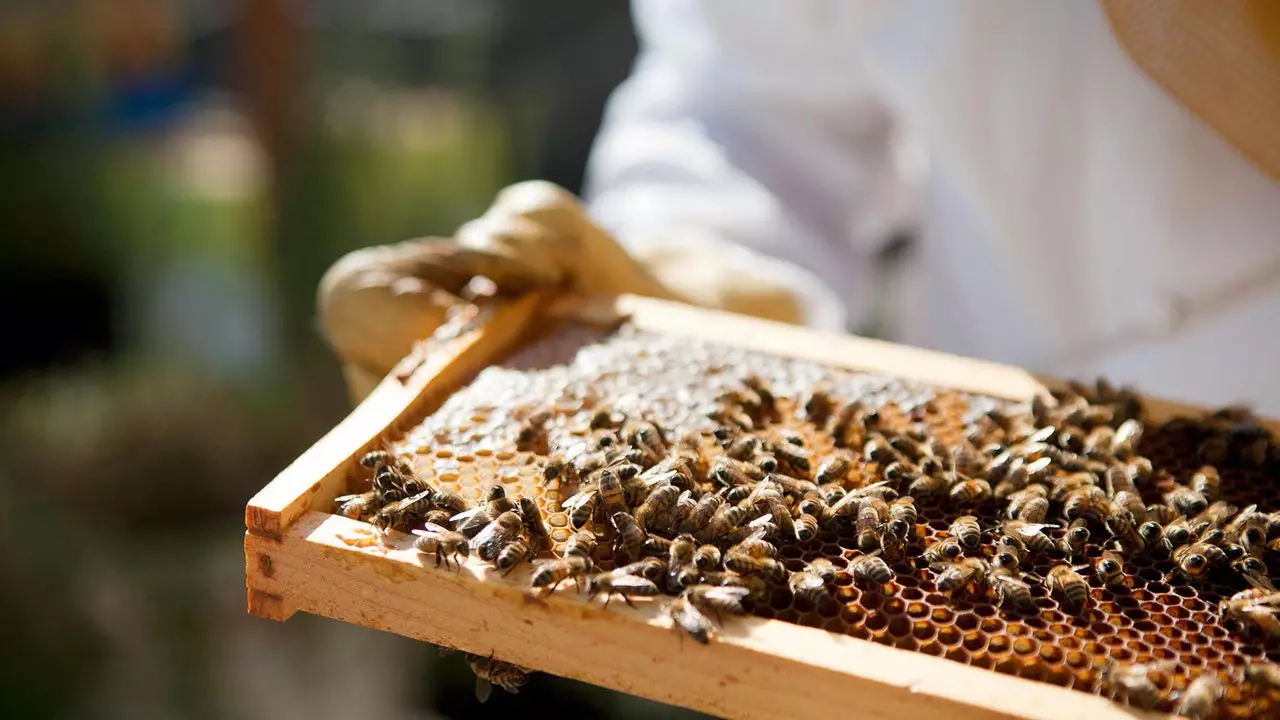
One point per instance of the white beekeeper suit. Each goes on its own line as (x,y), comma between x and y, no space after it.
(1071,216)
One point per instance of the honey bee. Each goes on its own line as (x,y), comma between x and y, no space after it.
(580,544)
(1073,588)
(928,485)
(1089,501)
(532,433)
(703,511)
(443,543)
(728,472)
(1130,683)
(942,551)
(970,492)
(548,574)
(744,564)
(683,511)
(871,513)
(1030,504)
(654,514)
(401,513)
(1072,542)
(612,496)
(816,406)
(966,529)
(1207,482)
(534,526)
(653,569)
(844,418)
(833,468)
(492,537)
(496,502)
(1109,568)
(741,447)
(957,575)
(756,546)
(1254,608)
(1185,500)
(1030,535)
(490,672)
(1064,486)
(1010,589)
(1123,527)
(1176,534)
(630,536)
(1254,572)
(902,516)
(1125,442)
(717,600)
(359,505)
(725,520)
(811,582)
(791,457)
(1162,513)
(870,569)
(688,618)
(512,554)
(707,558)
(807,527)
(680,563)
(625,586)
(438,517)
(1194,560)
(1012,480)
(449,501)
(1200,700)
(1262,676)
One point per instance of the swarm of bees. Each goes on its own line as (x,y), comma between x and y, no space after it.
(703,521)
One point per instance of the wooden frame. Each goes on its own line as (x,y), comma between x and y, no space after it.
(300,557)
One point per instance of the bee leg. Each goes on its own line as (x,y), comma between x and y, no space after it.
(627,599)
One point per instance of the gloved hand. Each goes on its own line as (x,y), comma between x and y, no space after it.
(376,302)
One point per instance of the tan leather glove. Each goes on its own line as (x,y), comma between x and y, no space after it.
(374,303)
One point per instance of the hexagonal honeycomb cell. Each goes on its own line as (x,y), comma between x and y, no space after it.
(469,443)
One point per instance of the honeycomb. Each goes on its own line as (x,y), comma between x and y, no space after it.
(469,443)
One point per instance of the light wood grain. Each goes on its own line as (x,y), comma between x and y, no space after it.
(427,376)
(758,669)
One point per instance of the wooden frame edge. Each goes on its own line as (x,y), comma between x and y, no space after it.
(329,565)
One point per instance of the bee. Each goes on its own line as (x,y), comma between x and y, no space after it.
(871,513)
(1214,515)
(680,563)
(534,526)
(703,511)
(966,529)
(1010,551)
(816,406)
(744,564)
(970,492)
(496,502)
(1100,441)
(630,536)
(1072,542)
(1089,501)
(653,569)
(1262,676)
(954,575)
(833,468)
(1123,527)
(438,517)
(1200,700)
(649,438)
(688,618)
(845,418)
(490,672)
(1127,437)
(1031,535)
(892,545)
(359,505)
(741,447)
(580,544)
(391,475)
(1207,482)
(1192,561)
(1162,513)
(1151,534)
(1109,568)
(946,550)
(1029,505)
(870,569)
(656,510)
(1011,480)
(623,585)
(1176,534)
(656,546)
(1064,486)
(1185,500)
(735,494)
(491,539)
(928,485)
(895,473)
(548,574)
(1010,589)
(1249,527)
(581,506)
(707,558)
(443,543)
(1254,608)
(807,527)
(1130,683)
(728,472)
(902,516)
(612,497)
(683,511)
(532,435)
(756,546)
(717,600)
(811,582)
(1254,572)
(512,554)
(1075,591)
(791,456)
(725,520)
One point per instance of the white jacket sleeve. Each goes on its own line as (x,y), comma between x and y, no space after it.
(743,125)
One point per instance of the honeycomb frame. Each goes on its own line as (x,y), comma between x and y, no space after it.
(939,683)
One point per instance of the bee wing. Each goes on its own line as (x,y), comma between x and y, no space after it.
(1261,582)
(727,593)
(632,582)
(435,528)
(347,498)
(660,478)
(805,581)
(863,490)
(466,515)
(578,499)
(1030,529)
(760,522)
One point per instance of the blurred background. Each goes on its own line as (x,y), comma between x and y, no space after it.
(175,175)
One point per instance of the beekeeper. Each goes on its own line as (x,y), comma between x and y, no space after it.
(1077,187)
